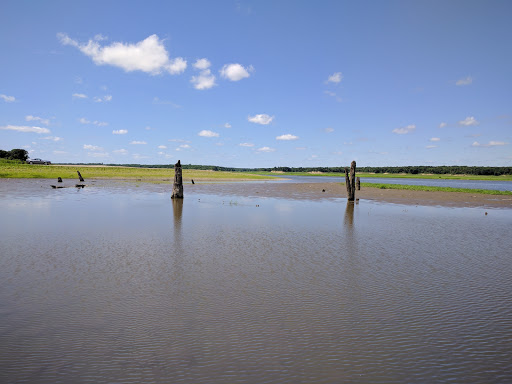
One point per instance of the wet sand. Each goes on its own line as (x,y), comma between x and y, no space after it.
(311,191)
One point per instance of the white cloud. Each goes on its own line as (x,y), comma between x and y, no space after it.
(98,154)
(235,72)
(90,147)
(79,96)
(202,64)
(205,80)
(35,118)
(162,147)
(156,100)
(83,120)
(266,149)
(53,138)
(121,151)
(442,125)
(179,141)
(185,146)
(405,130)
(206,133)
(148,55)
(227,125)
(287,137)
(138,142)
(24,128)
(431,146)
(262,119)
(465,81)
(105,98)
(246,144)
(490,144)
(8,99)
(100,123)
(329,130)
(470,120)
(335,78)
(435,139)
(119,132)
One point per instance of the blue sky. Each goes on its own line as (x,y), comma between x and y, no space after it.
(258,83)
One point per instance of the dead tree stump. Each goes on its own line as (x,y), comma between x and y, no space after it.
(358,183)
(59,180)
(177,188)
(350,181)
(80,176)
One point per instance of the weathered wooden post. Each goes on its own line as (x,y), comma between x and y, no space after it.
(350,181)
(59,180)
(80,176)
(358,183)
(177,188)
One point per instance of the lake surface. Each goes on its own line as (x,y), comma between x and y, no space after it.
(472,184)
(118,283)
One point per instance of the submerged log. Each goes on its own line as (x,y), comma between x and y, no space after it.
(177,188)
(80,176)
(350,181)
(358,183)
(59,180)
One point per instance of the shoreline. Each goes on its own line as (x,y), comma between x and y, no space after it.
(314,191)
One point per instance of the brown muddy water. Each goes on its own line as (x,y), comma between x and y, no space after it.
(117,283)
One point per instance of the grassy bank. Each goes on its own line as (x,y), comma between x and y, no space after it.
(395,176)
(26,171)
(434,189)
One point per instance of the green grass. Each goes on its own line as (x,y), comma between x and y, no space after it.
(435,189)
(10,169)
(396,176)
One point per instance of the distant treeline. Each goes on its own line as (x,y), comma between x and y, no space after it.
(14,154)
(414,170)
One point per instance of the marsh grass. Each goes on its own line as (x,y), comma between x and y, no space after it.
(9,169)
(435,189)
(396,176)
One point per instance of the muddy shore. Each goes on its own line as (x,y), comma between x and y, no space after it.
(311,191)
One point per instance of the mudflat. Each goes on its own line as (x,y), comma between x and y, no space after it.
(310,191)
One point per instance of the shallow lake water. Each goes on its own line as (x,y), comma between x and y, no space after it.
(118,283)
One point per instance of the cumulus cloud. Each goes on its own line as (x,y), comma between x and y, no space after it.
(90,147)
(8,99)
(490,144)
(246,144)
(24,128)
(79,96)
(465,81)
(262,119)
(329,130)
(202,64)
(205,80)
(119,132)
(405,130)
(53,138)
(468,121)
(235,72)
(227,125)
(435,139)
(162,147)
(121,151)
(335,78)
(35,118)
(287,137)
(148,55)
(106,98)
(442,125)
(266,149)
(83,120)
(138,142)
(206,133)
